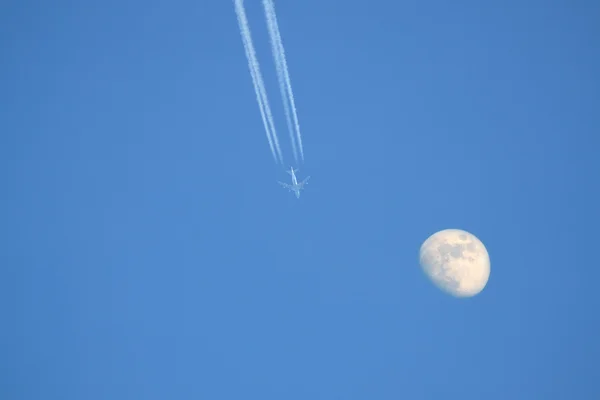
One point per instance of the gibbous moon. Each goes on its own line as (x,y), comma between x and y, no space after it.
(456,262)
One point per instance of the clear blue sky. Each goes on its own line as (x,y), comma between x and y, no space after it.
(148,252)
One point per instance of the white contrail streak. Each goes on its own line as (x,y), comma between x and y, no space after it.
(279,55)
(275,49)
(257,81)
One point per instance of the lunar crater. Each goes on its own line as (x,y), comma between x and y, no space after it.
(456,261)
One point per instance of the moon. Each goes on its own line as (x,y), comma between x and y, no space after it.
(456,261)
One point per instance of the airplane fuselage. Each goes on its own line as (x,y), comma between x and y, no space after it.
(295,183)
(295,186)
(294,180)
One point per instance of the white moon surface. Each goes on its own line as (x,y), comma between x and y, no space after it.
(456,262)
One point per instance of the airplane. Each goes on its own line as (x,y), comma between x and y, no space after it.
(295,186)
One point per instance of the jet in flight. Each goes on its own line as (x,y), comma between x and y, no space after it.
(295,186)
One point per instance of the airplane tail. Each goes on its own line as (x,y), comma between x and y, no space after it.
(291,169)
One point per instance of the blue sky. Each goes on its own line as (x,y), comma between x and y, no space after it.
(147,251)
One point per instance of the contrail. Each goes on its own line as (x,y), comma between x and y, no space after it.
(282,69)
(257,81)
(275,49)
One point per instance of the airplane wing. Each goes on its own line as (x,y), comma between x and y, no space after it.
(285,185)
(301,184)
